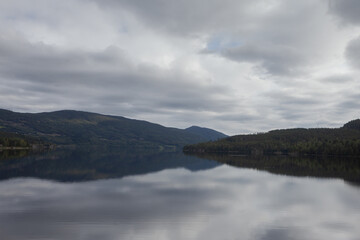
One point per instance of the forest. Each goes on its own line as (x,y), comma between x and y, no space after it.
(316,141)
(10,140)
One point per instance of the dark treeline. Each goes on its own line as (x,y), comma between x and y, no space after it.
(347,168)
(322,141)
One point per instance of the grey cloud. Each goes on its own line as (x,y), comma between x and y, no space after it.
(207,17)
(186,17)
(294,108)
(276,60)
(346,10)
(275,41)
(239,117)
(281,234)
(102,78)
(44,64)
(349,103)
(292,99)
(338,78)
(352,53)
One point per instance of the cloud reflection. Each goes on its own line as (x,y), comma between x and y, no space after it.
(221,203)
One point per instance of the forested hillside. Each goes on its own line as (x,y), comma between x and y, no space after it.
(339,141)
(69,127)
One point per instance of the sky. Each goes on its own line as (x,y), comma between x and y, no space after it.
(237,66)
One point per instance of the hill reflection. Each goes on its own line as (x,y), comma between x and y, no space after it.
(347,168)
(85,164)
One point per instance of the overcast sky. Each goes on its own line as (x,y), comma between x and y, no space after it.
(238,66)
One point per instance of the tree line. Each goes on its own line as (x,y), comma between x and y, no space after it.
(338,141)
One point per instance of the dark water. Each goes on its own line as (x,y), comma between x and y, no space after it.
(117,195)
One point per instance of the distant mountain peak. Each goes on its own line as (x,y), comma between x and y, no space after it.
(206,132)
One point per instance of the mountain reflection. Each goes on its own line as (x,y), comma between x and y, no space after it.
(84,164)
(219,203)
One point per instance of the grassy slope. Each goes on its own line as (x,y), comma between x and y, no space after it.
(11,140)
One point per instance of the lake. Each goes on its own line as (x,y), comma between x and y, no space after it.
(85,194)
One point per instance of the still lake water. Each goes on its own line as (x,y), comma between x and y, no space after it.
(87,195)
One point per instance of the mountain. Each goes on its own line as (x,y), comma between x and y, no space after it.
(68,127)
(325,141)
(207,133)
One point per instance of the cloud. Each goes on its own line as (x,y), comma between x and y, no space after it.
(292,106)
(279,41)
(277,60)
(347,11)
(187,17)
(104,78)
(282,234)
(338,78)
(349,103)
(352,53)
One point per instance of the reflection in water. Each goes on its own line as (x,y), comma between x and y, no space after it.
(219,203)
(147,195)
(84,164)
(347,168)
(8,154)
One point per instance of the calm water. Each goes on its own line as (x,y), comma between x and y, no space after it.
(117,196)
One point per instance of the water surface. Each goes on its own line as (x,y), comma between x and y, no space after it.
(174,201)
